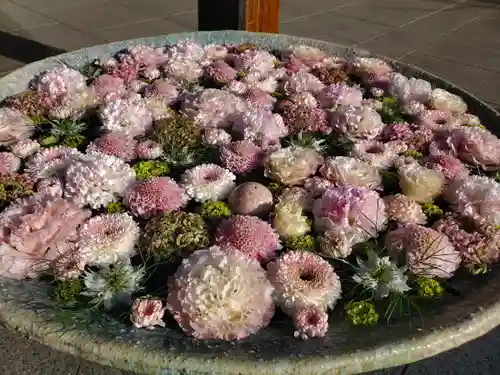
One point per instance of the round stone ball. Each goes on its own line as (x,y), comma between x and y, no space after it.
(251,198)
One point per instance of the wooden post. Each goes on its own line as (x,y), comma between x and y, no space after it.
(250,15)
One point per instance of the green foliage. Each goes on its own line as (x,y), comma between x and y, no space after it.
(75,141)
(308,140)
(13,187)
(338,145)
(67,292)
(417,155)
(65,132)
(177,133)
(115,208)
(174,234)
(276,188)
(146,169)
(362,313)
(390,181)
(391,112)
(432,211)
(429,288)
(214,210)
(305,243)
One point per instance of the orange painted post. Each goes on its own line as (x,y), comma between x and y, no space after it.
(250,15)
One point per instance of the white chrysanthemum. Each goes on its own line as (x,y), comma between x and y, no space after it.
(74,106)
(289,221)
(112,285)
(25,148)
(216,137)
(300,82)
(52,161)
(446,101)
(381,276)
(183,70)
(128,115)
(218,294)
(346,171)
(208,182)
(292,165)
(97,180)
(107,239)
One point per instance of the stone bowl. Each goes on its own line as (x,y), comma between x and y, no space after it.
(471,312)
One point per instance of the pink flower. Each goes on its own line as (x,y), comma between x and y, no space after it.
(310,56)
(317,185)
(407,90)
(476,146)
(37,231)
(357,122)
(428,252)
(25,148)
(403,210)
(302,81)
(305,118)
(9,163)
(115,144)
(51,161)
(220,294)
(346,171)
(380,155)
(50,186)
(162,89)
(220,71)
(147,313)
(14,126)
(259,98)
(127,68)
(148,150)
(241,156)
(60,82)
(448,165)
(372,71)
(216,137)
(154,197)
(435,119)
(352,209)
(397,132)
(108,86)
(310,322)
(303,280)
(250,235)
(340,94)
(256,62)
(294,65)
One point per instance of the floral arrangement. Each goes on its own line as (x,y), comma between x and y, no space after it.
(228,186)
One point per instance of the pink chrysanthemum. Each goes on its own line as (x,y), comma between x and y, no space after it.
(262,127)
(128,115)
(241,156)
(115,144)
(397,132)
(107,86)
(213,108)
(448,165)
(107,239)
(300,82)
(429,253)
(250,235)
(435,119)
(403,210)
(50,186)
(25,148)
(217,294)
(9,163)
(154,197)
(208,182)
(340,94)
(148,150)
(259,98)
(51,161)
(220,71)
(310,322)
(162,89)
(37,231)
(303,280)
(127,68)
(357,122)
(407,90)
(299,118)
(358,210)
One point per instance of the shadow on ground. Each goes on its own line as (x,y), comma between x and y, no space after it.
(24,50)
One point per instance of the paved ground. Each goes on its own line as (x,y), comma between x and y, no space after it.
(457,40)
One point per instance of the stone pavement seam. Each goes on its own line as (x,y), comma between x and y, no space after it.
(323,11)
(450,60)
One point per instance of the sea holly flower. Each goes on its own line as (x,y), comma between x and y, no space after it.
(380,276)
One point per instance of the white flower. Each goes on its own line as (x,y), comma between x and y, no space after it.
(112,285)
(25,148)
(52,161)
(289,220)
(208,182)
(448,102)
(107,239)
(344,171)
(337,243)
(381,276)
(183,70)
(292,165)
(300,82)
(216,137)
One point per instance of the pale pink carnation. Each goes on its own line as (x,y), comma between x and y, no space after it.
(380,155)
(352,209)
(106,85)
(35,232)
(339,94)
(115,144)
(14,126)
(25,148)
(435,119)
(257,62)
(403,210)
(147,313)
(162,89)
(300,82)
(241,156)
(127,68)
(357,122)
(220,71)
(347,171)
(250,235)
(59,82)
(312,57)
(305,99)
(476,146)
(317,185)
(50,186)
(208,182)
(220,294)
(446,101)
(154,197)
(187,49)
(310,322)
(372,71)
(148,150)
(259,98)
(407,90)
(183,70)
(397,132)
(9,163)
(303,280)
(448,165)
(294,65)
(51,161)
(429,253)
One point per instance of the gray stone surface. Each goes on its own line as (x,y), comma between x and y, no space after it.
(458,40)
